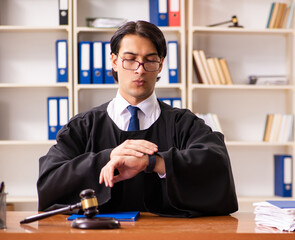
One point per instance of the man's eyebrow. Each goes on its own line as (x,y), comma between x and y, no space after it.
(135,54)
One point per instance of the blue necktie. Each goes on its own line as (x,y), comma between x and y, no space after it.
(134,121)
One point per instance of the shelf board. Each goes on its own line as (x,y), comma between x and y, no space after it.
(258,144)
(33,85)
(262,198)
(115,86)
(96,86)
(169,85)
(22,199)
(92,29)
(242,87)
(241,30)
(171,29)
(4,28)
(112,30)
(26,142)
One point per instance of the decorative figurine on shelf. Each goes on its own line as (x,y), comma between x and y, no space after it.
(233,20)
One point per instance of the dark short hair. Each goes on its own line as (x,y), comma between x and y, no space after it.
(143,29)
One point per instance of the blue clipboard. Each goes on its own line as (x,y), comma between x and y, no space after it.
(120,216)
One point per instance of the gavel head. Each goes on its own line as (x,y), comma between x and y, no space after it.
(235,21)
(89,203)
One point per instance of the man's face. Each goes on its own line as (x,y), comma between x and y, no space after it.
(136,85)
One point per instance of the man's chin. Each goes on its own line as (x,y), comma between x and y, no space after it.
(141,95)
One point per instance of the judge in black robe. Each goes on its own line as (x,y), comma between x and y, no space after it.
(198,181)
(91,147)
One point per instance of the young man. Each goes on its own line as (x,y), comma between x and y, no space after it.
(173,165)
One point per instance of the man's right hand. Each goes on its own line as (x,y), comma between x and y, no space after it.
(129,158)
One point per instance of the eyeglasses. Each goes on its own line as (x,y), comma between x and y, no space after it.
(150,66)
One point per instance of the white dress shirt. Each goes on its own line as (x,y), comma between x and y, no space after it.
(148,114)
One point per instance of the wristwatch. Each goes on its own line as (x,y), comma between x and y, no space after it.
(152,162)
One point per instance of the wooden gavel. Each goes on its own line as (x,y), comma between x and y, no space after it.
(234,20)
(89,205)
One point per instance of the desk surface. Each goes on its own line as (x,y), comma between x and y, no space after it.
(148,226)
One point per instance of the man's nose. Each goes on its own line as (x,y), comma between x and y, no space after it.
(140,68)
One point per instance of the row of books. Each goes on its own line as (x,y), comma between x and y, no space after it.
(278,128)
(165,13)
(211,119)
(211,70)
(95,65)
(281,15)
(57,115)
(95,62)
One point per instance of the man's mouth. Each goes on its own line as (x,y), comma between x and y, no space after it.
(139,82)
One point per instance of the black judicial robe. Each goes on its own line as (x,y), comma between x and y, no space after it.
(198,181)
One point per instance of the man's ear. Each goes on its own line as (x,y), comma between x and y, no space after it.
(162,63)
(114,62)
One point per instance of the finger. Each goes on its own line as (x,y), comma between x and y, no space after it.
(141,146)
(101,177)
(132,152)
(110,175)
(143,142)
(104,178)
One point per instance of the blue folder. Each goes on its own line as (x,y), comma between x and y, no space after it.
(85,62)
(176,102)
(52,117)
(283,175)
(120,216)
(108,76)
(57,115)
(61,61)
(283,204)
(172,48)
(97,62)
(159,12)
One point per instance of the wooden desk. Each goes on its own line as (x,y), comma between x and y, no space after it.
(148,226)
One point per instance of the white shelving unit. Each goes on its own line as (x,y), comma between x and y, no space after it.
(28,32)
(242,108)
(87,96)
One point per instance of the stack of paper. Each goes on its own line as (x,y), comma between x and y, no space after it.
(100,22)
(278,214)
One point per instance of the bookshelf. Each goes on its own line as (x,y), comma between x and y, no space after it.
(28,32)
(87,96)
(242,108)
(27,77)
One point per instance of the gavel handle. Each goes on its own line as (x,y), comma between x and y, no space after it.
(51,213)
(217,24)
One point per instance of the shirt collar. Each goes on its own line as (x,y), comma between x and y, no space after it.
(147,106)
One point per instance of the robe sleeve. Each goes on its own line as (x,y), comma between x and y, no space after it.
(67,169)
(199,178)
